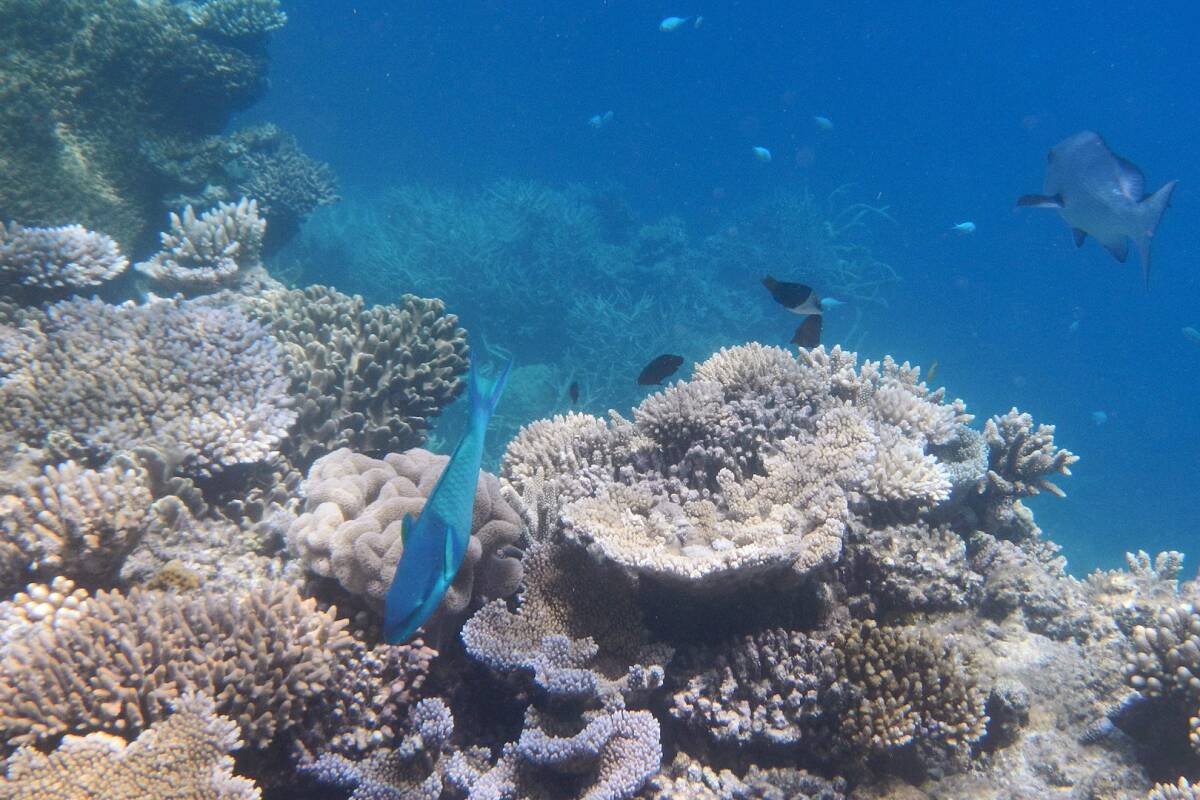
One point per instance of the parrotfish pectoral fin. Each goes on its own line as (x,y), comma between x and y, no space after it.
(1152,208)
(1039,201)
(1079,236)
(406,526)
(450,563)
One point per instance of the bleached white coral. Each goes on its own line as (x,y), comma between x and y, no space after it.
(208,251)
(68,257)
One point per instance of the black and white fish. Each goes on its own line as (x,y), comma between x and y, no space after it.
(1100,194)
(809,332)
(795,297)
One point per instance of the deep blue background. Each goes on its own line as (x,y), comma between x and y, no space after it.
(944,113)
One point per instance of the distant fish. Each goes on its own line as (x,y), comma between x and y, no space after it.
(830,303)
(1191,334)
(1100,194)
(795,297)
(1074,326)
(963,228)
(573,392)
(600,120)
(762,154)
(823,123)
(1099,418)
(671,24)
(809,332)
(932,372)
(659,369)
(435,544)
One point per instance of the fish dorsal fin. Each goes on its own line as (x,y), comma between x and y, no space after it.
(1079,236)
(406,526)
(1130,179)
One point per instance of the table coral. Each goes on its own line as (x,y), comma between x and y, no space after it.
(203,381)
(67,257)
(183,757)
(351,526)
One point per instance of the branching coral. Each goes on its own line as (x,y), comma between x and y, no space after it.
(239,18)
(183,757)
(351,528)
(267,657)
(202,381)
(1164,662)
(210,251)
(75,522)
(366,378)
(67,257)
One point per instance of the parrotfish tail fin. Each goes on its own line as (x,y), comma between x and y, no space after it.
(1039,201)
(485,394)
(1152,209)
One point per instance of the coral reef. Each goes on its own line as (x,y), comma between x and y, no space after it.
(88,85)
(354,509)
(202,381)
(68,257)
(238,19)
(365,378)
(183,757)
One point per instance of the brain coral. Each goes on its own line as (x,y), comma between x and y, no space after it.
(68,257)
(755,466)
(201,381)
(183,757)
(117,661)
(350,529)
(366,378)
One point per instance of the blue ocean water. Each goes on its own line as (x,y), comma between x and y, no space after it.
(941,113)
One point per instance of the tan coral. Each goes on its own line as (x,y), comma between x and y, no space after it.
(355,507)
(266,656)
(73,521)
(210,251)
(183,757)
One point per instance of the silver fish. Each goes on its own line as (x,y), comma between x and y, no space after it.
(1100,194)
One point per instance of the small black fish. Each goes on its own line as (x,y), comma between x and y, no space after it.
(795,297)
(809,332)
(573,392)
(663,366)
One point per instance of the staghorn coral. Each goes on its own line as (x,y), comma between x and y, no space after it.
(354,508)
(267,656)
(210,251)
(237,19)
(201,381)
(68,257)
(74,522)
(183,757)
(365,378)
(287,184)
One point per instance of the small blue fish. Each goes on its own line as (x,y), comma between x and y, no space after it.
(823,123)
(600,120)
(762,154)
(1099,418)
(830,303)
(675,23)
(435,544)
(963,228)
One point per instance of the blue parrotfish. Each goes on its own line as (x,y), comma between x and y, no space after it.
(1100,194)
(434,545)
(671,24)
